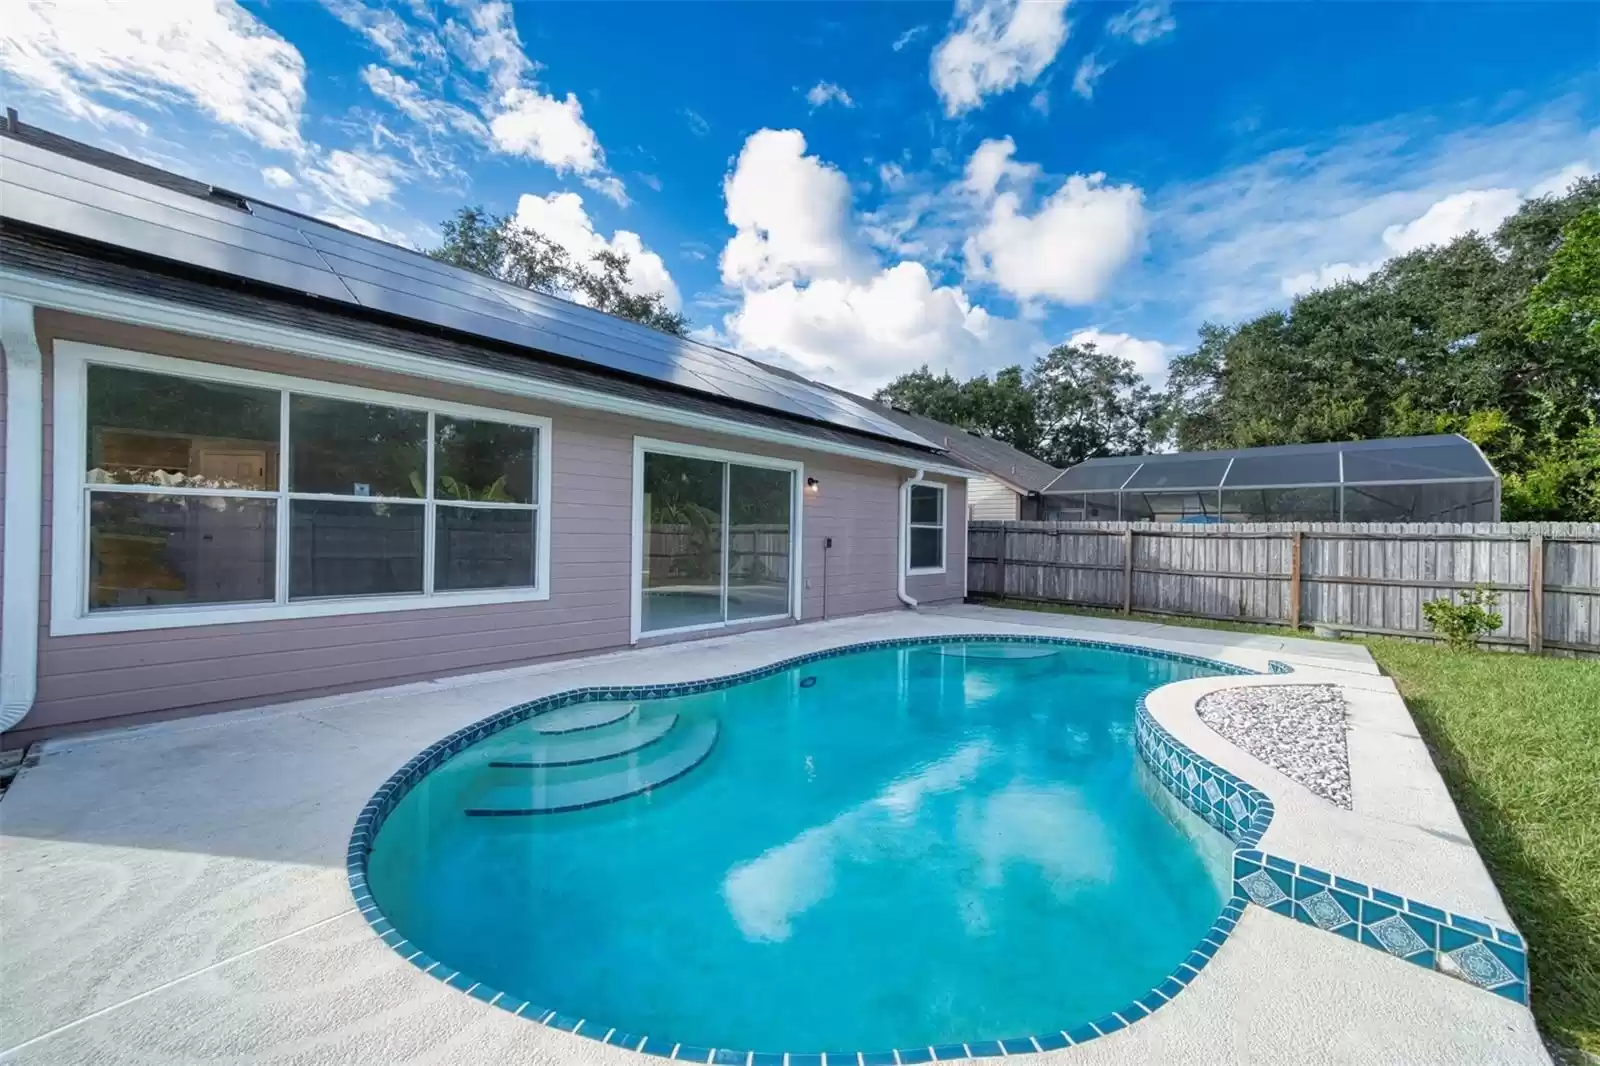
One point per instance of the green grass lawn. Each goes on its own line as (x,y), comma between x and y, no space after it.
(1517,740)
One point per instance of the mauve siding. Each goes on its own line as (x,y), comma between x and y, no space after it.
(103,679)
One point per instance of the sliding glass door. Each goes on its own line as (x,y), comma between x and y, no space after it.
(717,541)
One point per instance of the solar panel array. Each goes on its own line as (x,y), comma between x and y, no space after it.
(264,244)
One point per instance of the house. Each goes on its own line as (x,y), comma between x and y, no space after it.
(252,457)
(1008,482)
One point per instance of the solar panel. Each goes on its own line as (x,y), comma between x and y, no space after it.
(282,249)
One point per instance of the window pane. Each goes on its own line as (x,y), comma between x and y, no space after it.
(157,429)
(356,449)
(927,548)
(483,461)
(147,551)
(1100,507)
(354,549)
(682,577)
(1195,507)
(758,541)
(483,548)
(927,504)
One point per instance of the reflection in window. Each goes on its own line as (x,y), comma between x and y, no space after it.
(484,461)
(758,541)
(340,548)
(156,429)
(926,532)
(682,577)
(147,550)
(356,449)
(483,548)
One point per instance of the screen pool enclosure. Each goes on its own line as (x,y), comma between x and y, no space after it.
(1401,479)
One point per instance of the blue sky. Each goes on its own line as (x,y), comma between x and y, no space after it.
(856,189)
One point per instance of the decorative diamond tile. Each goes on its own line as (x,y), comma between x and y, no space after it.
(1236,805)
(1213,793)
(1479,965)
(1397,937)
(1326,911)
(1191,776)
(1262,889)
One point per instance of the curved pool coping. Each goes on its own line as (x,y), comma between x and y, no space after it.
(1241,812)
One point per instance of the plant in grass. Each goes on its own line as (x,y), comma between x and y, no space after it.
(1461,624)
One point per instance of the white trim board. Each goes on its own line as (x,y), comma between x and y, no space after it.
(24,505)
(69,547)
(944,528)
(160,314)
(797,501)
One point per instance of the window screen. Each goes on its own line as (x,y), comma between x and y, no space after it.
(1460,501)
(1413,462)
(1180,472)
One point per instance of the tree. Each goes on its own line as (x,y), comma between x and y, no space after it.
(499,246)
(1075,403)
(1493,337)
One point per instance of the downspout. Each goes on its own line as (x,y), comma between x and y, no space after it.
(905,537)
(19,596)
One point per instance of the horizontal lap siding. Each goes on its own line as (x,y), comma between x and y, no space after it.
(84,680)
(992,501)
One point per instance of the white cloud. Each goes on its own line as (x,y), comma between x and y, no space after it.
(1329,275)
(562,218)
(859,334)
(1558,183)
(1143,22)
(1454,216)
(697,124)
(1149,358)
(790,212)
(1041,102)
(1066,252)
(991,164)
(211,55)
(995,46)
(400,43)
(409,99)
(825,91)
(537,126)
(892,175)
(1089,71)
(277,177)
(907,37)
(356,179)
(489,43)
(1231,245)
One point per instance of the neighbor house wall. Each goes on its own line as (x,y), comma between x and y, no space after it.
(991,501)
(95,680)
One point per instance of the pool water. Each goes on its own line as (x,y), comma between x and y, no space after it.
(896,847)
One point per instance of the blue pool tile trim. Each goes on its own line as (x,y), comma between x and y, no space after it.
(1478,952)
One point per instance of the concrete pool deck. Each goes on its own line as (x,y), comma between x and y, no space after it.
(177,892)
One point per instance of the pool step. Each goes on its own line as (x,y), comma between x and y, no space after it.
(685,749)
(574,750)
(584,716)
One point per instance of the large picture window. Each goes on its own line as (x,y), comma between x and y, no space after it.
(717,538)
(925,529)
(206,494)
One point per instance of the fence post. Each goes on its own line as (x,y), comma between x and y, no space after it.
(1127,570)
(1005,548)
(1535,594)
(1294,580)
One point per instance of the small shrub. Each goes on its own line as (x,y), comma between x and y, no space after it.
(1461,624)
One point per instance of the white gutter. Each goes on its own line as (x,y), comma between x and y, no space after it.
(160,314)
(903,559)
(19,611)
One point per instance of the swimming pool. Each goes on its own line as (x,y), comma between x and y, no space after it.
(924,845)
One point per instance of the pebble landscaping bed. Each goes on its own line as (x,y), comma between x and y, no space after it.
(1298,730)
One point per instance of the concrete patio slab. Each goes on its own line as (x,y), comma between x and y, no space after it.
(176,892)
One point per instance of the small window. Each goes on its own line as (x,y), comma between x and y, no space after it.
(925,528)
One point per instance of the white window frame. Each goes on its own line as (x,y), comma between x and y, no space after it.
(797,471)
(69,544)
(943,527)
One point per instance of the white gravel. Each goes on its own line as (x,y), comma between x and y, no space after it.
(1296,729)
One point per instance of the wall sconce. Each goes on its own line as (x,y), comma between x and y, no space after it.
(813,486)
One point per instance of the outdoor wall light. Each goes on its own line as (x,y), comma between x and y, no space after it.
(813,486)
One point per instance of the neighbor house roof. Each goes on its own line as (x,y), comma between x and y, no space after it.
(1390,460)
(154,250)
(1017,469)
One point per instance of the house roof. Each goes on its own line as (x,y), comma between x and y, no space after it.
(178,239)
(1390,460)
(996,458)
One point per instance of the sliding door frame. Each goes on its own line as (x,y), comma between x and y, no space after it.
(797,479)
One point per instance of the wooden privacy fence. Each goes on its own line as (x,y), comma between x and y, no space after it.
(1360,578)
